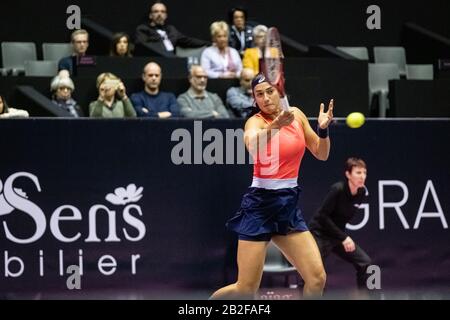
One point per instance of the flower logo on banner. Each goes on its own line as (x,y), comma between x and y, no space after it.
(122,196)
(5,207)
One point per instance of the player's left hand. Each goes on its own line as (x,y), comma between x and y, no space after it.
(325,118)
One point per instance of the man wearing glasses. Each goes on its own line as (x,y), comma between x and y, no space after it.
(199,103)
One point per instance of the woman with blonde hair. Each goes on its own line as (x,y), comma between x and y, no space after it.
(220,60)
(112,101)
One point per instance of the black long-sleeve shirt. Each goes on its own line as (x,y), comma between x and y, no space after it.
(337,210)
(148,34)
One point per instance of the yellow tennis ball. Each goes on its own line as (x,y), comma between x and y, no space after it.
(355,120)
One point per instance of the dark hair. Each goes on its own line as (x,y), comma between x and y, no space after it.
(233,10)
(352,162)
(259,78)
(5,105)
(115,40)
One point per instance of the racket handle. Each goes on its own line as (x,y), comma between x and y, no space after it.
(285,103)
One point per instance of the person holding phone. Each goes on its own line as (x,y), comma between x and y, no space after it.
(112,101)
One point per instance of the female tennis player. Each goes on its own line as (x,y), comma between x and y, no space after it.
(269,210)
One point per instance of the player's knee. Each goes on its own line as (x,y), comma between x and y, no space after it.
(321,278)
(317,279)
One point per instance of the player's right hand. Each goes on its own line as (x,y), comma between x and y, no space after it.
(284,119)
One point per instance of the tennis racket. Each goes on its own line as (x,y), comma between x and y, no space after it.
(272,64)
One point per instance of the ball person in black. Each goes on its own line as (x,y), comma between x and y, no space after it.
(338,208)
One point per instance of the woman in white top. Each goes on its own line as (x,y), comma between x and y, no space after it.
(6,112)
(220,60)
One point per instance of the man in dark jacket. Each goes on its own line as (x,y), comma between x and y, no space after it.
(163,38)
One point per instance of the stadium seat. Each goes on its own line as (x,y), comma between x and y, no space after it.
(14,55)
(276,264)
(379,76)
(395,55)
(358,52)
(41,68)
(56,51)
(419,72)
(192,54)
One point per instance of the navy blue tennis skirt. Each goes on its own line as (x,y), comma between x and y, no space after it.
(264,213)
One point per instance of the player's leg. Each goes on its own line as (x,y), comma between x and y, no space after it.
(251,256)
(302,252)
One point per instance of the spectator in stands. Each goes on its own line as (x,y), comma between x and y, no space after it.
(252,55)
(64,73)
(220,60)
(241,34)
(240,99)
(80,44)
(161,37)
(199,103)
(121,45)
(6,112)
(113,101)
(151,102)
(62,88)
